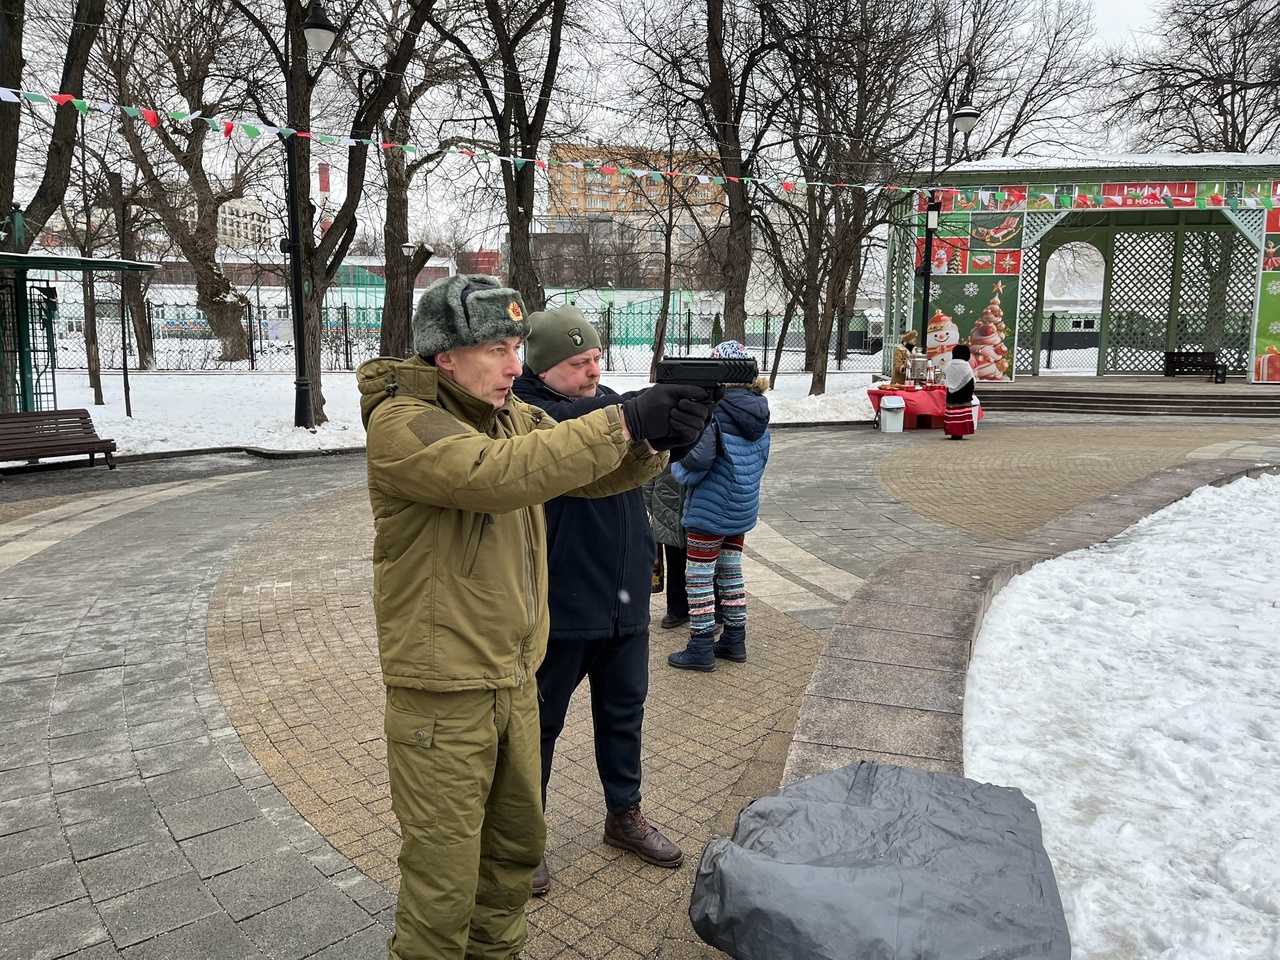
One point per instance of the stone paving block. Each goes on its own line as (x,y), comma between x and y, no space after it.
(39,888)
(368,944)
(26,699)
(306,925)
(210,812)
(78,745)
(166,731)
(31,848)
(897,646)
(52,933)
(27,812)
(221,850)
(17,782)
(255,887)
(160,908)
(881,728)
(172,756)
(133,868)
(94,838)
(120,799)
(90,771)
(891,684)
(106,715)
(811,759)
(930,621)
(197,780)
(214,937)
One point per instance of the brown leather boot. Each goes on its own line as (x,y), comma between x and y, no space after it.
(631,831)
(541,879)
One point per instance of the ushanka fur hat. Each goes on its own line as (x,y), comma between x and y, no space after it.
(463,311)
(558,334)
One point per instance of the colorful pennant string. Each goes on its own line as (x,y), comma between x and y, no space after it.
(965,199)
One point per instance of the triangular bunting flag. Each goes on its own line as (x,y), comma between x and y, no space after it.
(35,97)
(178,114)
(61,98)
(250,131)
(152,118)
(131,112)
(409,148)
(227,127)
(1168,200)
(518,162)
(9,96)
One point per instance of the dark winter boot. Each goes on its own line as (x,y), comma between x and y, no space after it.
(732,644)
(697,656)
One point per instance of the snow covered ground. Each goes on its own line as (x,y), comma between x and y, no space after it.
(184,411)
(1130,690)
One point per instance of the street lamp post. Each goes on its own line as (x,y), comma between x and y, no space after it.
(320,34)
(961,121)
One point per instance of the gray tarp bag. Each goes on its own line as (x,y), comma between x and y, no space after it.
(882,862)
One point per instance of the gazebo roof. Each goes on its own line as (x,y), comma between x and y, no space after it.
(49,261)
(1116,167)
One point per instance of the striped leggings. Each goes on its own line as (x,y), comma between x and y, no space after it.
(714,566)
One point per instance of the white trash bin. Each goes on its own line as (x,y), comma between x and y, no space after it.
(892,410)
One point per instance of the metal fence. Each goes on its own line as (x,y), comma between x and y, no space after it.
(183,341)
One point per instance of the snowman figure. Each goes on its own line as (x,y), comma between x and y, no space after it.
(940,338)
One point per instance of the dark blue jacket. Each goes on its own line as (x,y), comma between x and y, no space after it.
(599,551)
(722,474)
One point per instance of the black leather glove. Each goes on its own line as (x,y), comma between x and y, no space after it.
(668,414)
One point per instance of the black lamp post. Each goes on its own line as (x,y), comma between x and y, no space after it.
(320,34)
(962,121)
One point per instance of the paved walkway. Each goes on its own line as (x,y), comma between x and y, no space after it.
(191,761)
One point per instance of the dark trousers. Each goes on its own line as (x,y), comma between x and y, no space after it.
(677,597)
(618,670)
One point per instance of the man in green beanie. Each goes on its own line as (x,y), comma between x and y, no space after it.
(600,563)
(458,471)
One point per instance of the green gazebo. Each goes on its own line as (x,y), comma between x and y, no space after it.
(28,315)
(1190,243)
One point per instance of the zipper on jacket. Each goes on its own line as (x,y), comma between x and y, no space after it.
(530,599)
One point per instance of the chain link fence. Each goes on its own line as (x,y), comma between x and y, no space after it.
(182,339)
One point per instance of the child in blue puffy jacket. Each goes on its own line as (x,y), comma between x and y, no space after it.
(721,477)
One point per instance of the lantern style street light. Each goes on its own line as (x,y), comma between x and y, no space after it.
(320,34)
(962,121)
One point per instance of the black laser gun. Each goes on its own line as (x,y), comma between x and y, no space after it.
(706,372)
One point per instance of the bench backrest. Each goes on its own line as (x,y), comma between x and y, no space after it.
(44,423)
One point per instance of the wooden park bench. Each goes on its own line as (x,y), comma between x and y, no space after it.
(51,433)
(1194,361)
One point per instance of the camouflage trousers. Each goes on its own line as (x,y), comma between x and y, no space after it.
(465,773)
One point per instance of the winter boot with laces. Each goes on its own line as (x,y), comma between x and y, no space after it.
(732,644)
(698,655)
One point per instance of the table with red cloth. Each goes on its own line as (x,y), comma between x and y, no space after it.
(924,406)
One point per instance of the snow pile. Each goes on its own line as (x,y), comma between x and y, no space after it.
(1130,690)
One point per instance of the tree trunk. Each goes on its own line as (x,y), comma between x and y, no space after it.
(224,310)
(131,287)
(396,307)
(522,274)
(91,336)
(12,15)
(62,142)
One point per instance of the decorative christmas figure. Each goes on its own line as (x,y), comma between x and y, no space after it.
(941,336)
(1266,366)
(990,355)
(1271,257)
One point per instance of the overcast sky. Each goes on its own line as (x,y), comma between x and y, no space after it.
(1119,17)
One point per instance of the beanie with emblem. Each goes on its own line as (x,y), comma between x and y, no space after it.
(464,311)
(556,335)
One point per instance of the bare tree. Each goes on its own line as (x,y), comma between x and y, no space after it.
(712,58)
(1208,78)
(86,20)
(187,180)
(854,70)
(321,257)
